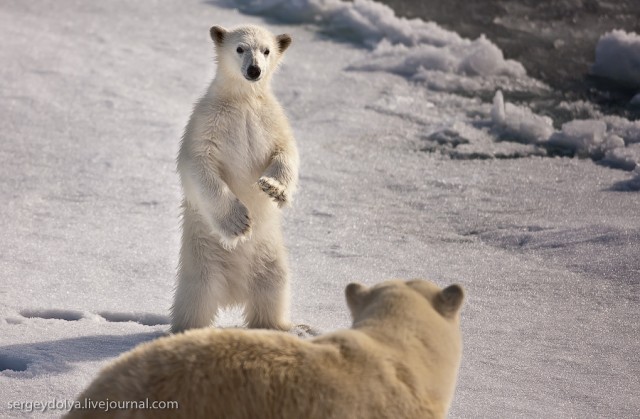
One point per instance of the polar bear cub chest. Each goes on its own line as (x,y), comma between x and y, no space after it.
(247,148)
(237,140)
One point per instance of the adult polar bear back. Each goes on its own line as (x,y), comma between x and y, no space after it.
(237,157)
(399,360)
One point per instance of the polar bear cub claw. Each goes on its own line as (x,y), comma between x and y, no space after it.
(274,189)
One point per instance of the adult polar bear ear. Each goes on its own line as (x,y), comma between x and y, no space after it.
(449,300)
(355,294)
(217,34)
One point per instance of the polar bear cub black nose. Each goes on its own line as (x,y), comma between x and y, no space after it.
(253,72)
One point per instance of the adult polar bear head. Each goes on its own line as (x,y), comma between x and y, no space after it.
(426,320)
(399,360)
(248,52)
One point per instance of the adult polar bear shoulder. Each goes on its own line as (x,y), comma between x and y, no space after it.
(400,359)
(238,164)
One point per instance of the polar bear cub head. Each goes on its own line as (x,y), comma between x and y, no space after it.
(248,53)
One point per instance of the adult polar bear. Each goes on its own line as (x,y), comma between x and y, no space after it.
(399,360)
(237,155)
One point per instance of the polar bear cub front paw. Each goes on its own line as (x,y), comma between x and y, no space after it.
(235,226)
(275,190)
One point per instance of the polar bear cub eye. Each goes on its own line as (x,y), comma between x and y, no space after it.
(239,50)
(266,51)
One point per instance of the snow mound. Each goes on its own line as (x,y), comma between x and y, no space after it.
(362,21)
(519,123)
(472,58)
(618,58)
(402,46)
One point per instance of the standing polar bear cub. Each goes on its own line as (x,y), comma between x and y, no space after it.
(399,360)
(238,164)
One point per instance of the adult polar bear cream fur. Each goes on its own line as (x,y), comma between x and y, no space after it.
(399,360)
(238,164)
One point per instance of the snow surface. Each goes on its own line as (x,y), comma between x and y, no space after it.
(400,177)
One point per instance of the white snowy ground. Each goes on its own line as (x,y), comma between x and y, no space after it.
(94,99)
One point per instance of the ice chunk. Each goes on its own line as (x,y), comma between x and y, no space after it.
(625,158)
(612,142)
(622,127)
(519,123)
(581,109)
(584,137)
(618,57)
(483,58)
(498,113)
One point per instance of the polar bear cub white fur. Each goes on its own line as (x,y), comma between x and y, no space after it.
(237,155)
(400,359)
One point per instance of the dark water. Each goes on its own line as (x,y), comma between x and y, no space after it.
(554,40)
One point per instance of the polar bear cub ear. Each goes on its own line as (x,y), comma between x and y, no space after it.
(217,34)
(449,300)
(284,41)
(355,294)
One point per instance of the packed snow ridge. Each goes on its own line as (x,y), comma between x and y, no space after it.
(403,46)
